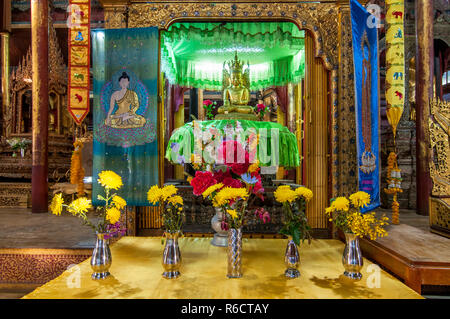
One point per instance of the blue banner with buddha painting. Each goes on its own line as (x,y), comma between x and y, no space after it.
(125,69)
(365,61)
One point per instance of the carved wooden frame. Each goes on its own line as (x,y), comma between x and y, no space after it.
(328,21)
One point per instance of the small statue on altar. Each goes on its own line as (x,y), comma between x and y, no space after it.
(236,92)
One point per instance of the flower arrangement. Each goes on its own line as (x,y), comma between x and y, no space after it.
(261,110)
(17,143)
(171,204)
(346,215)
(231,186)
(109,214)
(294,205)
(208,105)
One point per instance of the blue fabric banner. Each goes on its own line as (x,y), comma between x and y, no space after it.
(365,61)
(125,68)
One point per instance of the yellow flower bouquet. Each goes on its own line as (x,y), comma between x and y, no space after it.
(108,215)
(294,205)
(172,215)
(346,215)
(171,206)
(108,224)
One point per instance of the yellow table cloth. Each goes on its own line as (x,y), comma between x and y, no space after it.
(136,272)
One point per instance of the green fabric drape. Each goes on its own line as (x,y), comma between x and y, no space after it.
(285,142)
(193,53)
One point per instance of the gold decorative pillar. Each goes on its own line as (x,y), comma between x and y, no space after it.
(299,129)
(316,135)
(345,139)
(281,119)
(179,121)
(424,93)
(5,77)
(39,51)
(201,110)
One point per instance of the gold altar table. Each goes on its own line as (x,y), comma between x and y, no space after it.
(136,273)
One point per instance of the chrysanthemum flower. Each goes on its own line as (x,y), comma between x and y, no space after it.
(360,199)
(306,193)
(340,204)
(113,215)
(284,193)
(168,191)
(212,189)
(232,213)
(154,194)
(110,180)
(56,204)
(175,200)
(80,206)
(119,202)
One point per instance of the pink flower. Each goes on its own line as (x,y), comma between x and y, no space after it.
(232,154)
(224,225)
(207,102)
(260,107)
(220,175)
(202,181)
(231,182)
(263,214)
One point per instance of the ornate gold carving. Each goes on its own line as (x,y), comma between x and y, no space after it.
(115,17)
(439,126)
(21,82)
(440,216)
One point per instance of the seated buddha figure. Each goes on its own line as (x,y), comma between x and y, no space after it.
(236,93)
(127,104)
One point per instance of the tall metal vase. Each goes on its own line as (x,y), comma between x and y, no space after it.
(172,256)
(221,236)
(101,258)
(234,253)
(352,258)
(292,259)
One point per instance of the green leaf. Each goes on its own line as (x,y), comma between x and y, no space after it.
(296,236)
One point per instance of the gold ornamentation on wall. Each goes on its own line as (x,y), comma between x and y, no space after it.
(21,83)
(439,126)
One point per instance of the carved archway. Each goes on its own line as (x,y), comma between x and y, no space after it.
(328,22)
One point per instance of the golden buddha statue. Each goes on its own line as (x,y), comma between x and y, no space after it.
(128,103)
(236,92)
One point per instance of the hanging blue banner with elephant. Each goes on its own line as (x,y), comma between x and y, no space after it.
(125,69)
(366,70)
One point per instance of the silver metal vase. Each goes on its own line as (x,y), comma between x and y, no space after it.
(234,253)
(352,258)
(172,256)
(101,258)
(292,259)
(221,236)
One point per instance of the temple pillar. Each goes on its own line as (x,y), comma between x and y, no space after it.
(39,50)
(5,77)
(424,92)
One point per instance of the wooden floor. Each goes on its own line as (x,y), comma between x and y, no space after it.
(412,252)
(19,228)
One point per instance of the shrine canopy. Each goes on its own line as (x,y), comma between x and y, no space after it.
(192,54)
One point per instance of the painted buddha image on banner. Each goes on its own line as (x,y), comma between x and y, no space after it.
(125,68)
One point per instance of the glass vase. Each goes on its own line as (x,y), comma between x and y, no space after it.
(101,257)
(291,259)
(172,256)
(352,258)
(221,236)
(234,253)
